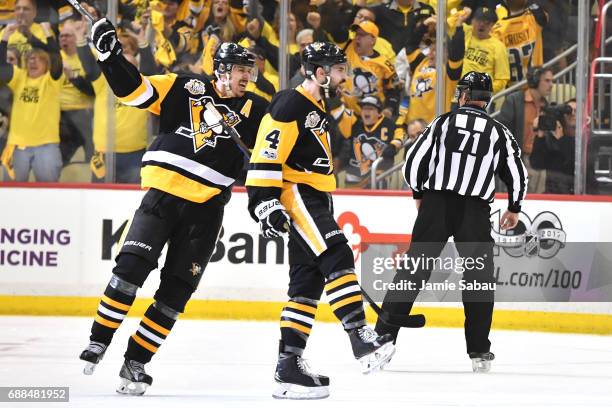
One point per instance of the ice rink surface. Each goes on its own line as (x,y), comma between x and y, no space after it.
(231,364)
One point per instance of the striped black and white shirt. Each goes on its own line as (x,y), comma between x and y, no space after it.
(462,151)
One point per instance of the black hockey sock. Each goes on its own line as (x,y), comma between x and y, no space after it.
(345,298)
(151,333)
(114,305)
(296,322)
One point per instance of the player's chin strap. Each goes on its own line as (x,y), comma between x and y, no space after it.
(325,86)
(225,80)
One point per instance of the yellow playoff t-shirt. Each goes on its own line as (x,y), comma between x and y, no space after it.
(70,97)
(35,115)
(130,123)
(488,56)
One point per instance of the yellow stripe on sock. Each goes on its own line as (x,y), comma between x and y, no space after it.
(106,323)
(116,304)
(351,277)
(344,302)
(303,308)
(296,326)
(144,343)
(155,326)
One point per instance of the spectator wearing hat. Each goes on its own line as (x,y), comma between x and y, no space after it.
(483,52)
(371,73)
(395,16)
(372,136)
(423,72)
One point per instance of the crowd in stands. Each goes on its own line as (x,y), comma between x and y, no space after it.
(54,99)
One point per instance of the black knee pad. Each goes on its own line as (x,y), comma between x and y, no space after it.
(337,258)
(133,268)
(174,292)
(305,281)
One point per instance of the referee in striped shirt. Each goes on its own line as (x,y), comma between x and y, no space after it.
(451,170)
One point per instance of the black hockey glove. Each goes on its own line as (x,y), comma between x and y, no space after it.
(104,39)
(273,218)
(389,151)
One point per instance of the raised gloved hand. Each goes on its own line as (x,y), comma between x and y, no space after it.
(104,39)
(273,218)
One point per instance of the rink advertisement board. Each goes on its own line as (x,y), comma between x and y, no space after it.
(62,241)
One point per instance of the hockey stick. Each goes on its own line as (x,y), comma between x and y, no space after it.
(398,320)
(77,6)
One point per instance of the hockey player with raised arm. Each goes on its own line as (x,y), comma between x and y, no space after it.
(189,170)
(289,183)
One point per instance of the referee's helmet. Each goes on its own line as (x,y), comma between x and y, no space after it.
(477,85)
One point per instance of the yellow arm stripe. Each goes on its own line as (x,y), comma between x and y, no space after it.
(344,302)
(162,84)
(144,343)
(116,304)
(106,323)
(296,326)
(455,64)
(155,326)
(140,95)
(351,277)
(303,308)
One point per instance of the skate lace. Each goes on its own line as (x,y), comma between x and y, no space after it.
(367,334)
(95,347)
(304,367)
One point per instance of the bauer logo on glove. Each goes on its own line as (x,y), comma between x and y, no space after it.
(273,218)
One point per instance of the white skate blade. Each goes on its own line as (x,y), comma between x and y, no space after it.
(299,392)
(128,387)
(377,359)
(481,366)
(89,368)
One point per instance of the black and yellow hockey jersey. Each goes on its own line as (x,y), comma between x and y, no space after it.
(367,145)
(522,36)
(192,158)
(293,146)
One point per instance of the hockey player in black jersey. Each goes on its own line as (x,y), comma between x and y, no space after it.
(289,183)
(188,170)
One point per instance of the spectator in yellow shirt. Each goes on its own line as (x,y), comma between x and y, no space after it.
(28,34)
(484,53)
(76,99)
(33,141)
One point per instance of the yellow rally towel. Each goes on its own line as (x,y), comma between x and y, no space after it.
(98,168)
(6,159)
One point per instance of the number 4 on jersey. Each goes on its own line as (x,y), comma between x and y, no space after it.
(273,138)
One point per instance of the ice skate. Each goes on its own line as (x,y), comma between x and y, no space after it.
(134,379)
(295,381)
(92,356)
(372,351)
(481,362)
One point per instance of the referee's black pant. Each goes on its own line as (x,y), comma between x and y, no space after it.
(443,214)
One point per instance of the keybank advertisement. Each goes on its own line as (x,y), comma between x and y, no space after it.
(63,241)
